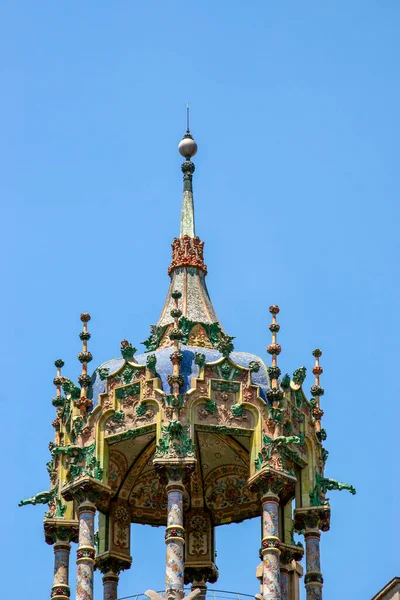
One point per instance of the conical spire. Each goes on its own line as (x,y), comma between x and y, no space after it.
(187,271)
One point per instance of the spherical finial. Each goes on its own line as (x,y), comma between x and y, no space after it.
(187,146)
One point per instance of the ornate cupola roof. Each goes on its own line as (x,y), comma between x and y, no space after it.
(199,322)
(189,435)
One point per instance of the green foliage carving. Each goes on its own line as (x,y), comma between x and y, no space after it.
(127,391)
(299,375)
(226,371)
(274,372)
(322,485)
(71,389)
(185,325)
(272,446)
(58,401)
(77,428)
(175,402)
(237,410)
(285,383)
(141,409)
(82,461)
(298,396)
(225,386)
(175,441)
(156,334)
(225,345)
(218,339)
(103,373)
(211,406)
(127,350)
(200,359)
(151,363)
(325,454)
(276,414)
(118,416)
(254,366)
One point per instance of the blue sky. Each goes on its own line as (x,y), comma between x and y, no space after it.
(295,107)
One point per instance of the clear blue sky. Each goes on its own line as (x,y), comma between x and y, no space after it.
(295,107)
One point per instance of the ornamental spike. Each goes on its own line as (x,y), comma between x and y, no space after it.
(84,357)
(59,363)
(274,349)
(176,380)
(58,400)
(317,391)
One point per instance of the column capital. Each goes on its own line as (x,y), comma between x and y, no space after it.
(174,473)
(269,482)
(199,575)
(312,518)
(60,531)
(290,552)
(88,491)
(112,563)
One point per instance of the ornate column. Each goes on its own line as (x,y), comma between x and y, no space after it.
(274,487)
(88,494)
(86,552)
(111,566)
(60,589)
(290,555)
(110,585)
(310,521)
(60,533)
(270,548)
(313,578)
(284,573)
(174,537)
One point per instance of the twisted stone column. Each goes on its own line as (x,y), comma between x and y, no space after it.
(174,539)
(313,578)
(271,589)
(85,552)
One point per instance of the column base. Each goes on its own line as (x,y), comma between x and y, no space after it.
(60,592)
